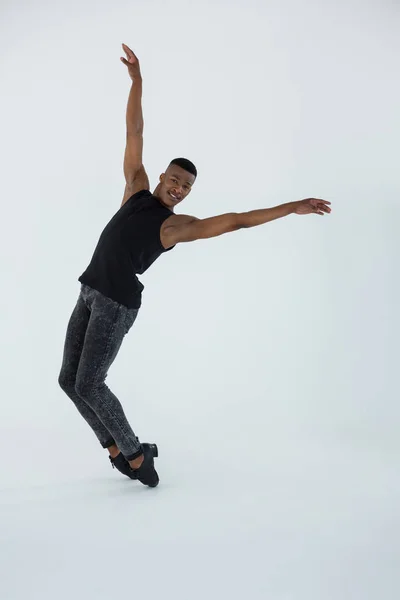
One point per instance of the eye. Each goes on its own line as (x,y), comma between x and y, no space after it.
(174,180)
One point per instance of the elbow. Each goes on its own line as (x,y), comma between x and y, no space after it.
(238,221)
(134,131)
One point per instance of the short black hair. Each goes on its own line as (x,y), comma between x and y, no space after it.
(186,164)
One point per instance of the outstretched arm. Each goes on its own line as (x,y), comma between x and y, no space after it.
(134,171)
(178,228)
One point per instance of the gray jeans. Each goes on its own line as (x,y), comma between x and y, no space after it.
(94,336)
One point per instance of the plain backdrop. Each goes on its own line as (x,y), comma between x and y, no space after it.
(264,363)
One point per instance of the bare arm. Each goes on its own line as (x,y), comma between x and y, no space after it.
(134,171)
(179,229)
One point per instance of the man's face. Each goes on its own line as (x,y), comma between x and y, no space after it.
(175,185)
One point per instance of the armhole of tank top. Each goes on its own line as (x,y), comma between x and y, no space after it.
(169,214)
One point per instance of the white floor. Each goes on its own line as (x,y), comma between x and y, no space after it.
(308,516)
(264,363)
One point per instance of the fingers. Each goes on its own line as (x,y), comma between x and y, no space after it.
(315,206)
(127,50)
(319,201)
(130,55)
(322,206)
(318,207)
(316,201)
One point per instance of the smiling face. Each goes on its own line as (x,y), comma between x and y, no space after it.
(175,184)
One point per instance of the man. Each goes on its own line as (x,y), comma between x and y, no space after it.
(144,227)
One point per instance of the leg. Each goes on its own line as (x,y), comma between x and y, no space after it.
(74,342)
(109,322)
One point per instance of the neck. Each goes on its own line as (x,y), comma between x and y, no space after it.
(156,194)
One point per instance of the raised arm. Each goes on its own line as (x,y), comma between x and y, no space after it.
(134,171)
(181,228)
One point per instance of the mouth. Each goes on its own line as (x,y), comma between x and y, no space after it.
(175,198)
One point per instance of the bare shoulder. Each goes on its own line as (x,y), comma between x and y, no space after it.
(178,220)
(170,227)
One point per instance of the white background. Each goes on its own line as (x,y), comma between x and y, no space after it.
(264,363)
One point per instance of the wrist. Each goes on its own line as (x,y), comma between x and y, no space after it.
(136,79)
(291,208)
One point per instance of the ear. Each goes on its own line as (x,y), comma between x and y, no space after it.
(162,176)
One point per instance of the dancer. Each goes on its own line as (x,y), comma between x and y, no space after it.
(144,227)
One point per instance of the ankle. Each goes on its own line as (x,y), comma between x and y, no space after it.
(114,451)
(137,463)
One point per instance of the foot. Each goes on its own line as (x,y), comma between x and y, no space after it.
(146,473)
(122,465)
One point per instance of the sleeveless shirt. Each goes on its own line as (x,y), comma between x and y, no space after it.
(128,245)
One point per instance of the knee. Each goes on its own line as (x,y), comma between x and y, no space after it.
(85,389)
(66,382)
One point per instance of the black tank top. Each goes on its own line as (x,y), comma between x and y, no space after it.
(128,245)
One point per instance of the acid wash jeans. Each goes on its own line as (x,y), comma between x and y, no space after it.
(94,336)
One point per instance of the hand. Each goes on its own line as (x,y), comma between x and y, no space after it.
(311,205)
(132,63)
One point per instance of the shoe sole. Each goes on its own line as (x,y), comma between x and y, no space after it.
(153,485)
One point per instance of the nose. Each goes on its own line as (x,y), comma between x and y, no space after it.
(177,191)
